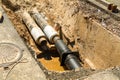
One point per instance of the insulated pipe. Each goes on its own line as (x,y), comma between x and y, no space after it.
(35,31)
(47,29)
(67,57)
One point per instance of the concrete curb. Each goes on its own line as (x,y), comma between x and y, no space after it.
(28,70)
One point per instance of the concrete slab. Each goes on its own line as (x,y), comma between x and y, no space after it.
(102,4)
(106,75)
(109,74)
(28,70)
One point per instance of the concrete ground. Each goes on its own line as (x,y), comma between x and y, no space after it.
(27,70)
(109,74)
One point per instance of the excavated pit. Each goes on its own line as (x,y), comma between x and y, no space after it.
(85,28)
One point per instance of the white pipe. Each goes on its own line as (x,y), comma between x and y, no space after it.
(35,31)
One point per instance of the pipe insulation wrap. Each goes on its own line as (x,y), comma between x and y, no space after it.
(35,31)
(37,34)
(50,33)
(39,19)
(28,21)
(47,29)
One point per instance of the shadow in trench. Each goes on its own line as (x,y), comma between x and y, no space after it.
(49,54)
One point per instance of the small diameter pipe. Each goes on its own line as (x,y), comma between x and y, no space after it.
(35,31)
(67,57)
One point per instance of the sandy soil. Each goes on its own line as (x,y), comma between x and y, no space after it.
(62,12)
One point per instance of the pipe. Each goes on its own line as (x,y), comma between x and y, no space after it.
(47,29)
(67,57)
(35,31)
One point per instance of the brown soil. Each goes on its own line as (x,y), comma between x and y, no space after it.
(66,13)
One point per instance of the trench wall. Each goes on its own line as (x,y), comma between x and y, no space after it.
(98,47)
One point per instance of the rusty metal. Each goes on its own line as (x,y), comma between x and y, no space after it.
(114,9)
(110,6)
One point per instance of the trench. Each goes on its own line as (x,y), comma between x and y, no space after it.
(83,30)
